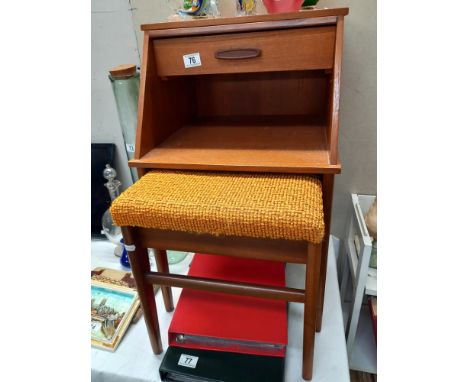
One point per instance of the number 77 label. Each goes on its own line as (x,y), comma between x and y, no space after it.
(191,60)
(188,361)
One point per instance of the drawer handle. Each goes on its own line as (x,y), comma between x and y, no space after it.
(237,54)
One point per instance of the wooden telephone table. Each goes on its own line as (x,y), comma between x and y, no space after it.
(256,94)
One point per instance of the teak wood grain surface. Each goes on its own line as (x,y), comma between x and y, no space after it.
(245,147)
(296,74)
(282,95)
(264,98)
(313,48)
(223,21)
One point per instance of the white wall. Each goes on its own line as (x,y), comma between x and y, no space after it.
(358,108)
(113,43)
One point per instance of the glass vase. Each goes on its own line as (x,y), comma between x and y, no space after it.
(125,81)
(174,257)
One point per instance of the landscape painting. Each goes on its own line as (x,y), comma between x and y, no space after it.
(112,308)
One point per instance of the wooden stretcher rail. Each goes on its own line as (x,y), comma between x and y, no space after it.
(211,285)
(287,251)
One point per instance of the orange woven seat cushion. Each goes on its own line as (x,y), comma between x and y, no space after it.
(275,206)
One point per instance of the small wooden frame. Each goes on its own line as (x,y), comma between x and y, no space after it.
(112,310)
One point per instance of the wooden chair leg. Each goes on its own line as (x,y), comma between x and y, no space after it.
(163,267)
(140,264)
(310,308)
(327,191)
(321,287)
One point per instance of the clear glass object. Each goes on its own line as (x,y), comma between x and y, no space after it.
(112,231)
(125,81)
(246,7)
(213,9)
(174,257)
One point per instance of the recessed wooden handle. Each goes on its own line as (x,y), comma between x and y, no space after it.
(238,54)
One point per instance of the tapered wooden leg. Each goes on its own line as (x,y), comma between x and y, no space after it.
(140,264)
(163,267)
(327,191)
(310,309)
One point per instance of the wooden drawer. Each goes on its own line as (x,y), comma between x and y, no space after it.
(293,49)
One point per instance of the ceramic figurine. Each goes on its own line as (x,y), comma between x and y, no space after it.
(371,220)
(371,223)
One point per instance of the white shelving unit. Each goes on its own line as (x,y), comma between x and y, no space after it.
(360,341)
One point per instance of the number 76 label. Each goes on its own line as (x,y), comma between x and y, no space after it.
(188,361)
(191,60)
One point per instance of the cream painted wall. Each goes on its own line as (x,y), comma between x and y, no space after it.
(114,43)
(358,108)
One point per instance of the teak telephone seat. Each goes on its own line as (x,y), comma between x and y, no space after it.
(264,99)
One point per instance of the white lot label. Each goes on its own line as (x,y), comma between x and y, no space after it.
(191,60)
(188,361)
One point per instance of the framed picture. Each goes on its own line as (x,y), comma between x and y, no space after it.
(112,309)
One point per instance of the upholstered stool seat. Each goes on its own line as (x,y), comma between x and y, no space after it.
(275,217)
(272,206)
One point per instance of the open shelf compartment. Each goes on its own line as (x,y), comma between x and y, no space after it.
(270,122)
(274,144)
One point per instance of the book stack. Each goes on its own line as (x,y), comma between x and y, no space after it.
(223,337)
